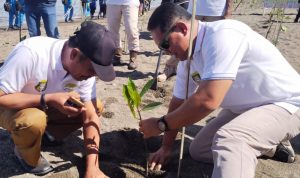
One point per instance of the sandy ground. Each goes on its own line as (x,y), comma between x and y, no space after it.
(122,151)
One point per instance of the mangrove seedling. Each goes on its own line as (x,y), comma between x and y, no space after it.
(134,100)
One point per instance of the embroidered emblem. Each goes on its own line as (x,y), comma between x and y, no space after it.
(70,87)
(41,86)
(196,77)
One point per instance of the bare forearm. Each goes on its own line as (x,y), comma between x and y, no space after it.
(190,112)
(91,132)
(169,136)
(20,100)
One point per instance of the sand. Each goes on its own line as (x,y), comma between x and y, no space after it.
(122,151)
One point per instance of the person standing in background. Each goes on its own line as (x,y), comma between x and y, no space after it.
(68,10)
(85,7)
(20,7)
(206,10)
(93,8)
(102,8)
(212,10)
(45,9)
(129,9)
(16,14)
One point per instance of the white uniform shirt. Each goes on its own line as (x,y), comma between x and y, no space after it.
(35,66)
(208,7)
(260,74)
(123,2)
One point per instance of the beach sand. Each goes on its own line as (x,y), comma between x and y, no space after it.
(122,151)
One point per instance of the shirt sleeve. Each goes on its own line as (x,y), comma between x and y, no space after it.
(222,53)
(17,70)
(179,90)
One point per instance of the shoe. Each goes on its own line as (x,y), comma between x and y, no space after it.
(10,28)
(70,20)
(117,57)
(296,21)
(15,27)
(132,60)
(167,73)
(283,154)
(49,141)
(43,167)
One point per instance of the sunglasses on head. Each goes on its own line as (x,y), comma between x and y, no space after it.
(164,44)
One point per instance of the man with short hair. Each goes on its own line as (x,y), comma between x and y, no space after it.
(206,11)
(37,85)
(234,68)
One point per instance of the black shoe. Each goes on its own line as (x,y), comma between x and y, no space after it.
(43,167)
(10,28)
(283,154)
(50,141)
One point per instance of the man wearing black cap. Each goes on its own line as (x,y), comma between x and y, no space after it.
(37,81)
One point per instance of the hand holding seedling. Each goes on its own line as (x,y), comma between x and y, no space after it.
(149,127)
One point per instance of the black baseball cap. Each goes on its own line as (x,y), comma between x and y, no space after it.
(98,44)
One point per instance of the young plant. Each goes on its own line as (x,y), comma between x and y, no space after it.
(134,100)
(277,15)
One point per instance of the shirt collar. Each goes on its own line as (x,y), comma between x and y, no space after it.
(200,36)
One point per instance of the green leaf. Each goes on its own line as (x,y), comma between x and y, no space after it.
(151,106)
(134,93)
(125,93)
(129,100)
(146,87)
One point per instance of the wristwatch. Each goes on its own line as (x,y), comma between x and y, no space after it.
(162,124)
(43,103)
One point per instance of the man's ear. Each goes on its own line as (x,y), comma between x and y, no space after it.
(182,26)
(74,53)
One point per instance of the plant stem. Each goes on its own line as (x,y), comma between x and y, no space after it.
(145,146)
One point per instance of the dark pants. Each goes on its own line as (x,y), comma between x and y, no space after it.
(33,18)
(102,10)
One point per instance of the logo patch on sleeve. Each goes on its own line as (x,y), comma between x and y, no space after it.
(41,86)
(70,87)
(196,77)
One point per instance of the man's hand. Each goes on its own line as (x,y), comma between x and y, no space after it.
(94,172)
(149,127)
(160,157)
(59,101)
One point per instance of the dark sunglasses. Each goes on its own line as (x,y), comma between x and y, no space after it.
(164,44)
